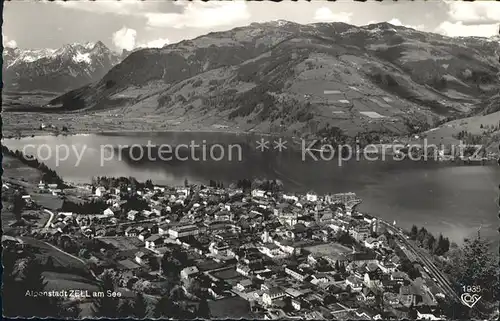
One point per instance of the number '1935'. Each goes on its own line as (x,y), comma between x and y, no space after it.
(471,288)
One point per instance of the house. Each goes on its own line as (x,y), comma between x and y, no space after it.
(183,230)
(244,285)
(314,315)
(272,295)
(296,273)
(296,304)
(387,267)
(320,278)
(188,272)
(163,229)
(131,231)
(407,296)
(26,198)
(372,243)
(216,291)
(424,313)
(367,294)
(258,193)
(359,233)
(220,248)
(291,198)
(108,212)
(154,241)
(311,197)
(147,213)
(144,235)
(272,251)
(391,298)
(99,191)
(140,257)
(398,276)
(243,269)
(132,214)
(355,283)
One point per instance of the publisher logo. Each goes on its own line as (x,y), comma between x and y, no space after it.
(470,299)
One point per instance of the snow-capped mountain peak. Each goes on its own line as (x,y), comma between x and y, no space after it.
(82,62)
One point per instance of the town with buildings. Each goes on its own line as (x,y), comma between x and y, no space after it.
(249,247)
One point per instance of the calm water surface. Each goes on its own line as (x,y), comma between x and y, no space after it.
(451,199)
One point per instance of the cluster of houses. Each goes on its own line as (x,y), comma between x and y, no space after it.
(49,188)
(280,252)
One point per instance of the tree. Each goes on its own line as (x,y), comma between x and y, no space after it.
(408,267)
(442,246)
(412,313)
(194,287)
(153,263)
(106,306)
(49,264)
(33,281)
(413,232)
(474,264)
(139,307)
(126,309)
(18,205)
(10,302)
(337,266)
(166,308)
(203,311)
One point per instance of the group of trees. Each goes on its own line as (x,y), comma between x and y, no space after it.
(469,138)
(244,184)
(121,182)
(134,202)
(171,305)
(272,185)
(91,207)
(409,268)
(426,240)
(215,184)
(109,306)
(345,239)
(49,176)
(173,262)
(21,280)
(473,264)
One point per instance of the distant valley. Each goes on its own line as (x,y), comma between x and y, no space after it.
(287,78)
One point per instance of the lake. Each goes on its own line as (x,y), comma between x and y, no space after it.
(445,198)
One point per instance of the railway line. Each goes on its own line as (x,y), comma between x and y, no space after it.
(438,276)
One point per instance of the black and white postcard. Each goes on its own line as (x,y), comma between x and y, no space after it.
(251,159)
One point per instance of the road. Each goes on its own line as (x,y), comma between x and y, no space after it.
(442,280)
(50,218)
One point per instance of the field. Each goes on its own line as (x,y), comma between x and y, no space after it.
(65,281)
(122,243)
(330,250)
(475,125)
(226,274)
(46,200)
(17,172)
(234,308)
(60,258)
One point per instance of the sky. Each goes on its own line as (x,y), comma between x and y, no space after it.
(129,24)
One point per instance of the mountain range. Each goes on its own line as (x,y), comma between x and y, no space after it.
(56,70)
(282,76)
